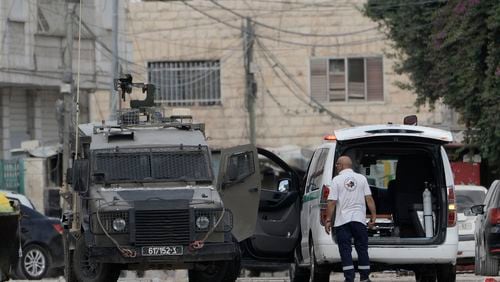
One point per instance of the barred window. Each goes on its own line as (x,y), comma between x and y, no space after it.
(186,83)
(347,79)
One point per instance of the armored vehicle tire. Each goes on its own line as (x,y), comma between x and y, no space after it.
(69,273)
(88,270)
(216,271)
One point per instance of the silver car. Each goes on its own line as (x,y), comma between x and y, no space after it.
(467,196)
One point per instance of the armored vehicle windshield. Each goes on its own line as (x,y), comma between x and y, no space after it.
(149,154)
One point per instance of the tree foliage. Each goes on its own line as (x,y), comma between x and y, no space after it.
(451,52)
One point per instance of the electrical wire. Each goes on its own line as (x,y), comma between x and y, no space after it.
(273,61)
(352,43)
(291,31)
(198,244)
(126,252)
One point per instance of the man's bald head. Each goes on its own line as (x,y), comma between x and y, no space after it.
(344,162)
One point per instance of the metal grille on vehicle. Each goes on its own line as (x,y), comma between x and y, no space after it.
(107,222)
(184,163)
(225,224)
(162,227)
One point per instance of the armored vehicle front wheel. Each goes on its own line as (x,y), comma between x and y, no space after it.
(88,270)
(69,273)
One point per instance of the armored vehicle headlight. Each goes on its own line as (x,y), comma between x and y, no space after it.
(202,222)
(119,224)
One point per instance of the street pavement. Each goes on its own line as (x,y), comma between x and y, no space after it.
(181,276)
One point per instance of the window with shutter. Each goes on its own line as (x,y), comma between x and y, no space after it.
(356,78)
(319,80)
(374,79)
(347,79)
(337,80)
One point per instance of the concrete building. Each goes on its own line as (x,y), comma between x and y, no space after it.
(32,48)
(32,51)
(319,66)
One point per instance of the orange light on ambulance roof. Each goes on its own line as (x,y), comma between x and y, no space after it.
(330,137)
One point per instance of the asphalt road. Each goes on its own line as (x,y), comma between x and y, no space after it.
(181,276)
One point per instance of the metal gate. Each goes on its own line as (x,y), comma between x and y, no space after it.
(12,175)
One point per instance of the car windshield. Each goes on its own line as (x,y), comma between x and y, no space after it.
(468,198)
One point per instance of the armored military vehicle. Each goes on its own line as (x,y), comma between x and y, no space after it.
(144,196)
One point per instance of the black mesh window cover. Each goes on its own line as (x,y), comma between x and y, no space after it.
(244,163)
(186,163)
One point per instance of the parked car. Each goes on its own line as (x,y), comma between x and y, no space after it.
(400,163)
(487,232)
(41,242)
(467,196)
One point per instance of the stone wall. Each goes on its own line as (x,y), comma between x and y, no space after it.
(172,31)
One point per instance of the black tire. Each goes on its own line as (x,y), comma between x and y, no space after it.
(88,270)
(298,274)
(446,273)
(212,271)
(35,262)
(425,276)
(234,266)
(318,273)
(69,272)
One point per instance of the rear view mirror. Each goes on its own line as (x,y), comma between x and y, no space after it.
(477,210)
(284,185)
(80,175)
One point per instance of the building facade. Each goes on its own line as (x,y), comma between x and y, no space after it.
(318,66)
(33,48)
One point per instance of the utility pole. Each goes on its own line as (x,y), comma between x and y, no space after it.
(114,99)
(67,92)
(250,83)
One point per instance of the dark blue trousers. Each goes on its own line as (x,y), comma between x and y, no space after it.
(345,233)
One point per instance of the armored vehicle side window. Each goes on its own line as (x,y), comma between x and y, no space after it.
(243,164)
(187,163)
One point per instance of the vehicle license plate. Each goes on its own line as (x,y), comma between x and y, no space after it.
(162,251)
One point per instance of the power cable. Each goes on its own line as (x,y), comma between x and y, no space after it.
(291,31)
(369,40)
(272,59)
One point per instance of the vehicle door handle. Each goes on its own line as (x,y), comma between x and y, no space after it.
(24,230)
(253,190)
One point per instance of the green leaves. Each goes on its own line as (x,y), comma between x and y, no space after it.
(451,52)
